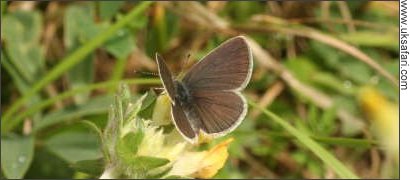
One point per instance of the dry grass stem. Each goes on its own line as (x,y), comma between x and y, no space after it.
(347,16)
(317,97)
(384,27)
(269,24)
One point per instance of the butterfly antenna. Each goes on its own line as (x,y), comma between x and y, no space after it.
(158,88)
(185,63)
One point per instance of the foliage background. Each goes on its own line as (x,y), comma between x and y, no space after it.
(328,68)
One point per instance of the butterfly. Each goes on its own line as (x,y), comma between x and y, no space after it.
(208,100)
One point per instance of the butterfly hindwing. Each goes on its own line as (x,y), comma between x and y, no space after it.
(181,122)
(219,111)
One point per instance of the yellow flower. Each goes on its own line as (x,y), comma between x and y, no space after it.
(214,160)
(203,164)
(384,118)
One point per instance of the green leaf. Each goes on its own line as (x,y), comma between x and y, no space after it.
(122,44)
(69,62)
(149,99)
(20,83)
(46,103)
(108,9)
(136,25)
(147,162)
(77,16)
(94,127)
(337,141)
(331,81)
(96,105)
(132,110)
(348,142)
(176,177)
(342,64)
(97,130)
(372,39)
(16,155)
(3,5)
(111,132)
(82,73)
(74,146)
(93,167)
(31,20)
(302,68)
(127,146)
(242,11)
(328,121)
(356,71)
(158,173)
(47,165)
(27,24)
(147,106)
(21,32)
(124,96)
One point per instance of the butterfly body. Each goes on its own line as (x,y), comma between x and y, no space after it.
(208,99)
(182,92)
(186,101)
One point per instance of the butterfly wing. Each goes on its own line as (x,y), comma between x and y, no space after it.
(215,84)
(166,77)
(228,67)
(220,111)
(181,122)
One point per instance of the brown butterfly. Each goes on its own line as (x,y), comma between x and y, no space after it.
(208,98)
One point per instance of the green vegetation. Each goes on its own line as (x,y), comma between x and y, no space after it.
(323,98)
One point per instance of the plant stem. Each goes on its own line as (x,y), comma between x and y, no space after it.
(3,8)
(118,71)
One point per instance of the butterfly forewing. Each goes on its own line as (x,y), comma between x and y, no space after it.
(228,67)
(166,77)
